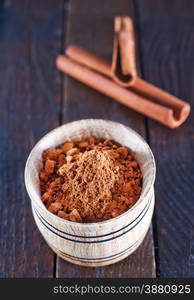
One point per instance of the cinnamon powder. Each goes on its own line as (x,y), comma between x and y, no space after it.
(89,181)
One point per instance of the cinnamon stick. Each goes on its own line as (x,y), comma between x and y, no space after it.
(180,109)
(153,110)
(124,57)
(88,59)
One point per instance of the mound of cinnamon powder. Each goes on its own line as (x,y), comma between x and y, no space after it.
(89,181)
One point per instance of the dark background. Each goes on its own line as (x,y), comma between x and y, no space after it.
(35,98)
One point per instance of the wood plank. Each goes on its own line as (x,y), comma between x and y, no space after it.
(30,39)
(90,25)
(167,51)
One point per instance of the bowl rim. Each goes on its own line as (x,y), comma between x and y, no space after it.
(92,224)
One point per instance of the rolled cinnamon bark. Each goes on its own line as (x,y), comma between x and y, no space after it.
(123,66)
(180,109)
(89,60)
(109,88)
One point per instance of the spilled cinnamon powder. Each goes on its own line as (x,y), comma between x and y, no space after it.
(89,181)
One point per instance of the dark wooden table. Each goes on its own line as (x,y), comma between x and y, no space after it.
(36,98)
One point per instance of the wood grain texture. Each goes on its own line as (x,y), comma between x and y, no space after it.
(167,60)
(30,105)
(90,25)
(94,32)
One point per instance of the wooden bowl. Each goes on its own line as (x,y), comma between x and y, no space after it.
(101,243)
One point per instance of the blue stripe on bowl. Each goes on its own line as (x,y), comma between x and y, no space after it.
(91,236)
(96,260)
(45,223)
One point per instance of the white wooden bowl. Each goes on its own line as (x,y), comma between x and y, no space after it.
(101,243)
